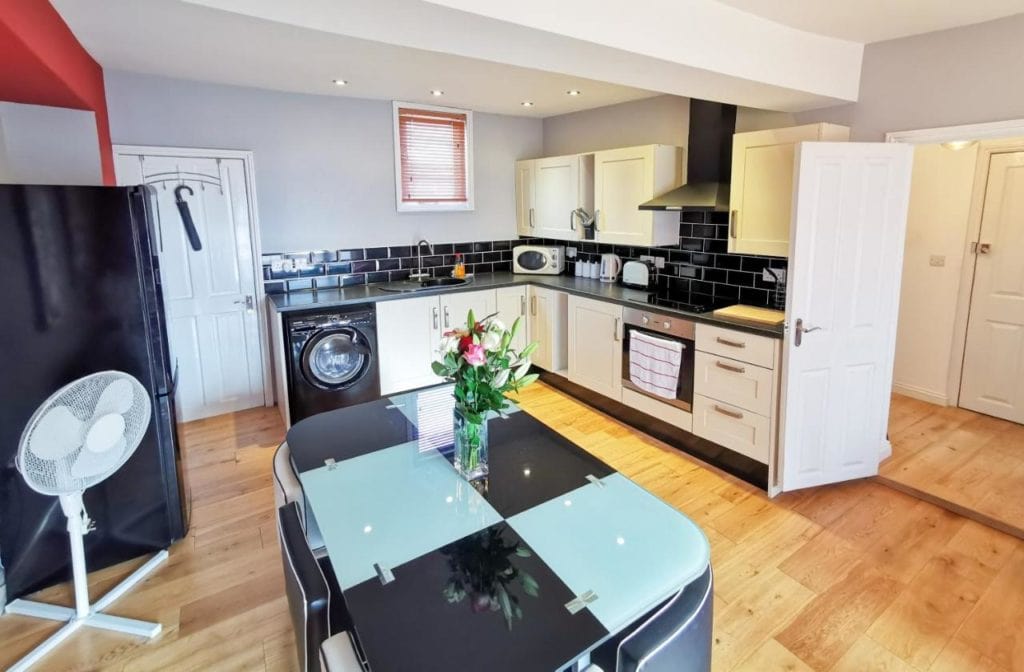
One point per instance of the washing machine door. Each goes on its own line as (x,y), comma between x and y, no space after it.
(336,358)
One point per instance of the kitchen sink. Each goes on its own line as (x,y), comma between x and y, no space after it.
(421,285)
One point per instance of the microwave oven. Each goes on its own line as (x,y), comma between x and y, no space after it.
(538,259)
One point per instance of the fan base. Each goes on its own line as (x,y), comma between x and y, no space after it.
(94,618)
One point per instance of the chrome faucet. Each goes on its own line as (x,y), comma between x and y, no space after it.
(419,274)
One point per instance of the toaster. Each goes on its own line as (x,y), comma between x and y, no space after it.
(636,274)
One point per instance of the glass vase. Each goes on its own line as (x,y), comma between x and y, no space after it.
(470,447)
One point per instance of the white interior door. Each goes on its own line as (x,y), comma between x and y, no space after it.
(846,255)
(993,372)
(209,295)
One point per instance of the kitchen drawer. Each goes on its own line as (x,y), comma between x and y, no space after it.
(750,348)
(734,382)
(730,426)
(665,412)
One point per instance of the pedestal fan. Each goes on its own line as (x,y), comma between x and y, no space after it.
(80,436)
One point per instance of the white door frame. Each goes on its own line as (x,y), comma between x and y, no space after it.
(254,234)
(994,138)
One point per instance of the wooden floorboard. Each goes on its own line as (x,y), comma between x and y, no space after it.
(969,463)
(850,577)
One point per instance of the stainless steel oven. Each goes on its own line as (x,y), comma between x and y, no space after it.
(668,328)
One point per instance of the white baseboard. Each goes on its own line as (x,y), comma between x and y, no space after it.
(921,393)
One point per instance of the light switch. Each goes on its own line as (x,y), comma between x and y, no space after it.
(937,260)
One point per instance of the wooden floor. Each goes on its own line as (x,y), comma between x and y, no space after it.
(852,577)
(968,462)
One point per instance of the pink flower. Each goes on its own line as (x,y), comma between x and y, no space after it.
(474,354)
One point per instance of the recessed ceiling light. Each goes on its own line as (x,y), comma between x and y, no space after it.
(574,92)
(527,103)
(436,92)
(340,82)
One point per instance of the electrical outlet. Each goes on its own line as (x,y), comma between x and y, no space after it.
(937,260)
(570,253)
(659,262)
(768,277)
(282,265)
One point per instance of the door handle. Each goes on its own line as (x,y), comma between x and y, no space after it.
(734,216)
(984,248)
(731,344)
(533,305)
(447,319)
(799,330)
(434,310)
(248,302)
(618,325)
(572,220)
(597,217)
(531,218)
(522,305)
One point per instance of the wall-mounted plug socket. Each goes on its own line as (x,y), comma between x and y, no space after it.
(282,265)
(768,277)
(937,260)
(657,262)
(570,253)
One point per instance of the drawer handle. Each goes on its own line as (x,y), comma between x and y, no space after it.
(731,344)
(730,367)
(726,411)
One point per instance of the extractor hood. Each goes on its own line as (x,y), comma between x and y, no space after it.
(708,163)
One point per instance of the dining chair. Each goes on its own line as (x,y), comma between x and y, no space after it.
(676,638)
(287,489)
(309,601)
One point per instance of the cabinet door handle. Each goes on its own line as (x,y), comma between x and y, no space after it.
(572,220)
(618,325)
(533,305)
(726,411)
(522,305)
(731,344)
(447,320)
(734,216)
(531,218)
(434,310)
(597,218)
(730,367)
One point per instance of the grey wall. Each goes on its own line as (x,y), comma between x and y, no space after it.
(959,76)
(48,145)
(658,120)
(324,164)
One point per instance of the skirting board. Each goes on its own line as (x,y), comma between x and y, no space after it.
(920,394)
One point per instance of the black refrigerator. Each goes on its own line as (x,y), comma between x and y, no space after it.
(80,292)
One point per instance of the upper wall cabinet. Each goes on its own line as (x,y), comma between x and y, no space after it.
(625,178)
(549,194)
(761,194)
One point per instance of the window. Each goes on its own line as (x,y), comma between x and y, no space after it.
(433,158)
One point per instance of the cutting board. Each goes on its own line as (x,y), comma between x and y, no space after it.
(752,314)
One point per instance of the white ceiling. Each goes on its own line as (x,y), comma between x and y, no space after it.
(177,39)
(868,21)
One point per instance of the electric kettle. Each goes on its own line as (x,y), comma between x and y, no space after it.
(611,264)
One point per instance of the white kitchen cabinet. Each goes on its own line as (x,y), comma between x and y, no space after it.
(408,336)
(561,185)
(524,197)
(625,178)
(547,322)
(739,430)
(455,307)
(595,346)
(549,191)
(510,302)
(761,193)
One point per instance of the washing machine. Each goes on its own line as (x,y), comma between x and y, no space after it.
(332,359)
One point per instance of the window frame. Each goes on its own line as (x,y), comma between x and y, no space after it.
(435,206)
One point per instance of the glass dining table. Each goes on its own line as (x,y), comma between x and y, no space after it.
(551,556)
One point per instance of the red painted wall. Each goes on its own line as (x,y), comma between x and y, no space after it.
(44,64)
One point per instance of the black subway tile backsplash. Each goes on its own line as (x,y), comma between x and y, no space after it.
(699,264)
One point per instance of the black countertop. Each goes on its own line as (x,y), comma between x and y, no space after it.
(605,291)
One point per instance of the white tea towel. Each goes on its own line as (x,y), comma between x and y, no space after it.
(654,363)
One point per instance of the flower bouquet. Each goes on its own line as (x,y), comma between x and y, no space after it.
(480,361)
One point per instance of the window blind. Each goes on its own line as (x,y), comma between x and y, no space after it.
(433,156)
